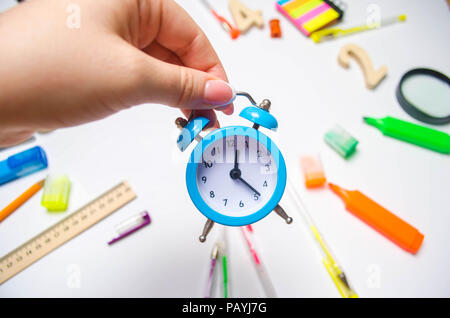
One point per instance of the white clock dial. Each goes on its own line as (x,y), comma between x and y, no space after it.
(239,188)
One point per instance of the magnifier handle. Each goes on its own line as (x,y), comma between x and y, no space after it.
(415,134)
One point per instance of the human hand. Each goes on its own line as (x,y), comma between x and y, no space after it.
(123,53)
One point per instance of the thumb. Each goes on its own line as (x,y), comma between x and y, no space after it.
(182,87)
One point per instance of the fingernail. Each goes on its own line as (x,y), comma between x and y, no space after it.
(218,93)
(227,110)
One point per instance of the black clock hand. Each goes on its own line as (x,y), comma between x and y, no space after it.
(248,185)
(235,173)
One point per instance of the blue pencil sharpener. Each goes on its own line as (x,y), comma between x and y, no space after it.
(23,164)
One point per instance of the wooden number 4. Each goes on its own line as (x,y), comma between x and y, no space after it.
(244,17)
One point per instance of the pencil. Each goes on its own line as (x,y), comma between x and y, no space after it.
(21,200)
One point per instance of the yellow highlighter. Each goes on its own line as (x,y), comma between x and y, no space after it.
(333,33)
(333,268)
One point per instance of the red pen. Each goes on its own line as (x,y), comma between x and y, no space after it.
(227,26)
(248,233)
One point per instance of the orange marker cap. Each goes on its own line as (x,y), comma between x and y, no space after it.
(385,222)
(312,171)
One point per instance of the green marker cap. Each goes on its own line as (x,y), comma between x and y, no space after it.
(341,141)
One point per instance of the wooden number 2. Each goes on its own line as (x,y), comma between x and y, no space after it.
(373,77)
(244,17)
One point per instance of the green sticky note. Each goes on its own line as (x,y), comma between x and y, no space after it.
(341,141)
(56,193)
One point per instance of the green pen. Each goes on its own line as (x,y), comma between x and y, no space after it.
(415,134)
(223,253)
(225,276)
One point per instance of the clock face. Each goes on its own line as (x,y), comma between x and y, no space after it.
(237,175)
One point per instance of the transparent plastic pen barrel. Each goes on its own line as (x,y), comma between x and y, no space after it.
(247,233)
(131,223)
(130,226)
(334,270)
(211,275)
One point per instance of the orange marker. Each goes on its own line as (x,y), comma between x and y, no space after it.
(20,200)
(313,171)
(388,224)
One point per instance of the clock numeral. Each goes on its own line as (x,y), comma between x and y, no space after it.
(213,151)
(208,164)
(225,202)
(204,179)
(241,204)
(267,165)
(265,184)
(230,143)
(256,197)
(211,194)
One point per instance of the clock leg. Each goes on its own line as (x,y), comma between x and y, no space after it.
(206,229)
(280,211)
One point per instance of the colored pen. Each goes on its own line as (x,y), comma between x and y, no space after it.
(333,33)
(10,208)
(131,225)
(212,268)
(227,26)
(383,221)
(329,261)
(223,254)
(415,134)
(248,233)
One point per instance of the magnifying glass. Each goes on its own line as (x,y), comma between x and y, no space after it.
(425,95)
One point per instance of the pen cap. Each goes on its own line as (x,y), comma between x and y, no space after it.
(56,193)
(385,222)
(22,164)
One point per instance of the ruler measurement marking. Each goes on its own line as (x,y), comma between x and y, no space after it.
(63,231)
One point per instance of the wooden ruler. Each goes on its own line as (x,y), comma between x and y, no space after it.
(65,230)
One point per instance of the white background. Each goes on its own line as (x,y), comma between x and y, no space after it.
(310,93)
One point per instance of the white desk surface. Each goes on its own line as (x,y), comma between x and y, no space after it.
(310,93)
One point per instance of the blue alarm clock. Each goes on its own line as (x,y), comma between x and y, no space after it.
(236,175)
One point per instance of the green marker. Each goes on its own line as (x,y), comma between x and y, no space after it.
(415,134)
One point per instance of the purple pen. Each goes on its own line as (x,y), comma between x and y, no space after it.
(210,282)
(131,225)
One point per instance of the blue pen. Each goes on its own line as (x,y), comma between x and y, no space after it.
(22,164)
